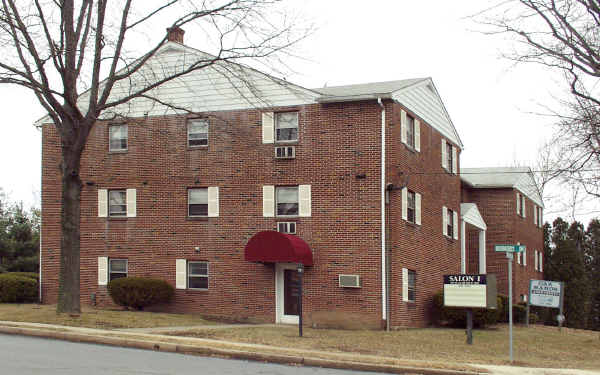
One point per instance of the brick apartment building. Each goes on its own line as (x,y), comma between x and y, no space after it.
(359,183)
(510,204)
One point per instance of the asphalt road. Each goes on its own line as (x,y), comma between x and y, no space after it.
(28,355)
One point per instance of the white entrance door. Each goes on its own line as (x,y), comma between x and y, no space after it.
(286,293)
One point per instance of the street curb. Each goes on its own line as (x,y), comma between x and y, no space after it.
(227,353)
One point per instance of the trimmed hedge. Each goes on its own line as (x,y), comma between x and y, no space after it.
(31,275)
(140,292)
(17,288)
(519,312)
(457,316)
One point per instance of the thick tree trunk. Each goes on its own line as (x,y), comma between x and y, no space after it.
(68,292)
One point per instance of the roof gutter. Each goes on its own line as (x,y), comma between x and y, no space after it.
(384,277)
(352,98)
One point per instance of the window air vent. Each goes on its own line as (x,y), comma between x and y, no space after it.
(349,281)
(288,227)
(285,152)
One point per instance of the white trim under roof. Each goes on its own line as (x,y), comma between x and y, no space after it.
(519,178)
(470,214)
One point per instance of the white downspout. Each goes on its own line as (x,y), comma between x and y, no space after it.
(383,239)
(41,188)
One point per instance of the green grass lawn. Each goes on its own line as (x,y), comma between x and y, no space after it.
(96,318)
(537,346)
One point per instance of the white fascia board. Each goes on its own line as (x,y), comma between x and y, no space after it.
(470,214)
(352,98)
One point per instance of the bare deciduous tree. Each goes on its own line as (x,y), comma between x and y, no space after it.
(78,59)
(563,35)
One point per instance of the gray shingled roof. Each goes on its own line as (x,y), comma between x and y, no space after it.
(493,177)
(367,88)
(520,178)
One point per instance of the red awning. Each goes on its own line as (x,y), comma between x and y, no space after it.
(274,247)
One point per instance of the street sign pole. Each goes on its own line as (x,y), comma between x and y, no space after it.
(510,307)
(470,326)
(527,311)
(300,274)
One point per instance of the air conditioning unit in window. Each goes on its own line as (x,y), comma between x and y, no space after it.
(288,227)
(285,152)
(349,281)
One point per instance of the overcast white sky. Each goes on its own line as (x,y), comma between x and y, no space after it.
(490,101)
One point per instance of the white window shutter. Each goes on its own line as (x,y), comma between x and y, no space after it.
(180,273)
(518,203)
(304,204)
(445,220)
(405,284)
(417,135)
(417,208)
(518,258)
(131,203)
(535,211)
(455,224)
(525,257)
(404,203)
(541,220)
(524,206)
(535,260)
(102,270)
(268,127)
(444,156)
(102,203)
(454,160)
(541,264)
(403,126)
(213,201)
(268,200)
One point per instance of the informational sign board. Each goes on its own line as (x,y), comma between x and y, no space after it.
(545,293)
(510,248)
(464,290)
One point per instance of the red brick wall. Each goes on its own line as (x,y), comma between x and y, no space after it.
(421,248)
(498,209)
(337,142)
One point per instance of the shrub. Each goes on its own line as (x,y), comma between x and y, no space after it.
(17,288)
(30,275)
(140,292)
(457,316)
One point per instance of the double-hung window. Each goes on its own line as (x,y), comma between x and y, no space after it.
(197,132)
(197,275)
(198,202)
(412,285)
(287,201)
(117,203)
(449,157)
(450,223)
(286,126)
(117,268)
(117,137)
(410,206)
(410,131)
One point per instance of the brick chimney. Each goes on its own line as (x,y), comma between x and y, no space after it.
(175,34)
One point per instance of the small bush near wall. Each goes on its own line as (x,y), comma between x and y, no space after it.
(18,288)
(457,316)
(519,312)
(31,275)
(140,292)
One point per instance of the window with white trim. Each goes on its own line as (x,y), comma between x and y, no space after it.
(449,157)
(197,275)
(117,138)
(198,202)
(117,268)
(286,200)
(410,206)
(286,126)
(117,203)
(410,131)
(449,223)
(197,132)
(412,285)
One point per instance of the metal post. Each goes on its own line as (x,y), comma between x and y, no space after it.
(469,326)
(510,307)
(562,304)
(527,311)
(300,274)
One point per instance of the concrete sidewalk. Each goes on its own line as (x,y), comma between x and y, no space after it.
(158,341)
